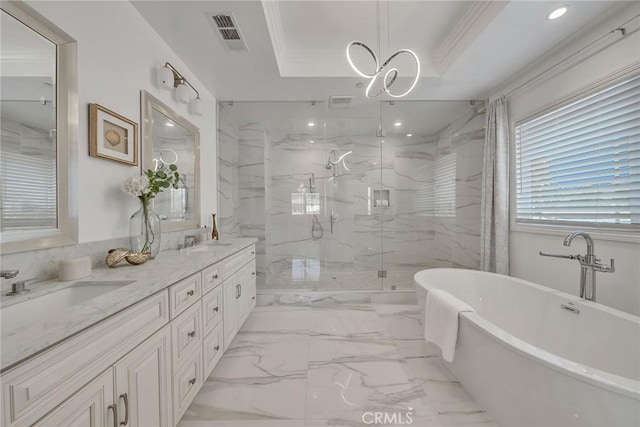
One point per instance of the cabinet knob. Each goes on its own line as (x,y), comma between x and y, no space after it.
(253,273)
(216,348)
(253,298)
(192,381)
(192,334)
(253,253)
(215,276)
(190,293)
(216,309)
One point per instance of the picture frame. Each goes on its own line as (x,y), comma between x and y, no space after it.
(112,136)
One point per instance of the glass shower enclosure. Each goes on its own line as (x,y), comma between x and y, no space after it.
(351,199)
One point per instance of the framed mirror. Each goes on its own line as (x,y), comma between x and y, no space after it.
(38,120)
(169,138)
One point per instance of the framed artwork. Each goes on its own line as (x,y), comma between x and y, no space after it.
(112,136)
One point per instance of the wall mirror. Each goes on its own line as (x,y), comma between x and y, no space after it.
(169,138)
(38,120)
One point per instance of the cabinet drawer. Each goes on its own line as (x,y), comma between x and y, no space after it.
(211,277)
(212,349)
(233,263)
(184,293)
(39,385)
(212,309)
(186,384)
(186,334)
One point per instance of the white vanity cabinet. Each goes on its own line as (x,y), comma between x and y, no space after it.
(92,406)
(143,383)
(239,299)
(139,367)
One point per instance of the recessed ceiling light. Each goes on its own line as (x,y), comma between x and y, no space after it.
(311,141)
(311,124)
(169,124)
(557,13)
(409,135)
(397,124)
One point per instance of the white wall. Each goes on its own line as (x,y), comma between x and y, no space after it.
(621,289)
(118,52)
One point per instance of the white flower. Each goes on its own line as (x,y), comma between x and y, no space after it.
(136,185)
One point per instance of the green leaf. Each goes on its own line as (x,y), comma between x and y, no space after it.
(165,184)
(173,167)
(161,175)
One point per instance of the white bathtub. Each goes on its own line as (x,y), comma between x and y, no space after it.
(531,362)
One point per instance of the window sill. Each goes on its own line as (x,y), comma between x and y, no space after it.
(628,236)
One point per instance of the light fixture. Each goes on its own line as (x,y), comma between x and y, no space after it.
(397,124)
(311,124)
(169,124)
(311,141)
(168,78)
(557,13)
(409,135)
(389,76)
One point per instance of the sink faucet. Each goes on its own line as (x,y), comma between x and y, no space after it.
(589,264)
(9,274)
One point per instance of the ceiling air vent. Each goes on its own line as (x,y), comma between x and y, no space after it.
(340,101)
(226,27)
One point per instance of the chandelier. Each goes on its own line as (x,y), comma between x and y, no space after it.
(388,74)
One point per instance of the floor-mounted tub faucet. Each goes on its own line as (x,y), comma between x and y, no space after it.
(589,264)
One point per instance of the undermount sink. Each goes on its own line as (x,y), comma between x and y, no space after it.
(58,302)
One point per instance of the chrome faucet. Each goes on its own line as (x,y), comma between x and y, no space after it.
(589,264)
(9,274)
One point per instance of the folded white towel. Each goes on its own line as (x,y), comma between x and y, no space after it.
(441,320)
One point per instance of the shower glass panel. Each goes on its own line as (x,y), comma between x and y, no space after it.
(432,154)
(339,205)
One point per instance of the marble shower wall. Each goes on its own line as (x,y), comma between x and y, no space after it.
(458,236)
(433,217)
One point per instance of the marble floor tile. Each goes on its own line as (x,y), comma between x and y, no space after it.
(368,417)
(242,423)
(328,363)
(401,321)
(345,389)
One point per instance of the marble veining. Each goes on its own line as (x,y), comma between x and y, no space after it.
(263,163)
(326,361)
(151,277)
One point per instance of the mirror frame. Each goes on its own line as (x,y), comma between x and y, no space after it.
(67,133)
(148,103)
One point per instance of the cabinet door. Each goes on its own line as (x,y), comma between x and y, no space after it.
(143,383)
(91,406)
(243,279)
(229,311)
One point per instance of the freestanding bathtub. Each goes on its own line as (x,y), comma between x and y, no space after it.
(534,356)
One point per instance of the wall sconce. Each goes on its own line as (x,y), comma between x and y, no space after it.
(169,77)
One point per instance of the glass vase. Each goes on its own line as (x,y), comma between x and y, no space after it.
(144,230)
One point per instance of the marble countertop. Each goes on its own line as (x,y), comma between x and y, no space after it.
(149,278)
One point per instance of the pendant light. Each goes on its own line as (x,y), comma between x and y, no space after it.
(388,74)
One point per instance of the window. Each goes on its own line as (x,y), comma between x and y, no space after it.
(305,203)
(580,164)
(436,191)
(28,186)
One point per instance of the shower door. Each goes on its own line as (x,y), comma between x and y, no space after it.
(432,153)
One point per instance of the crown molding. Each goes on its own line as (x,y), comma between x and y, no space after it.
(274,24)
(478,15)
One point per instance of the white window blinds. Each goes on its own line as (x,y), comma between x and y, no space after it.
(581,163)
(28,186)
